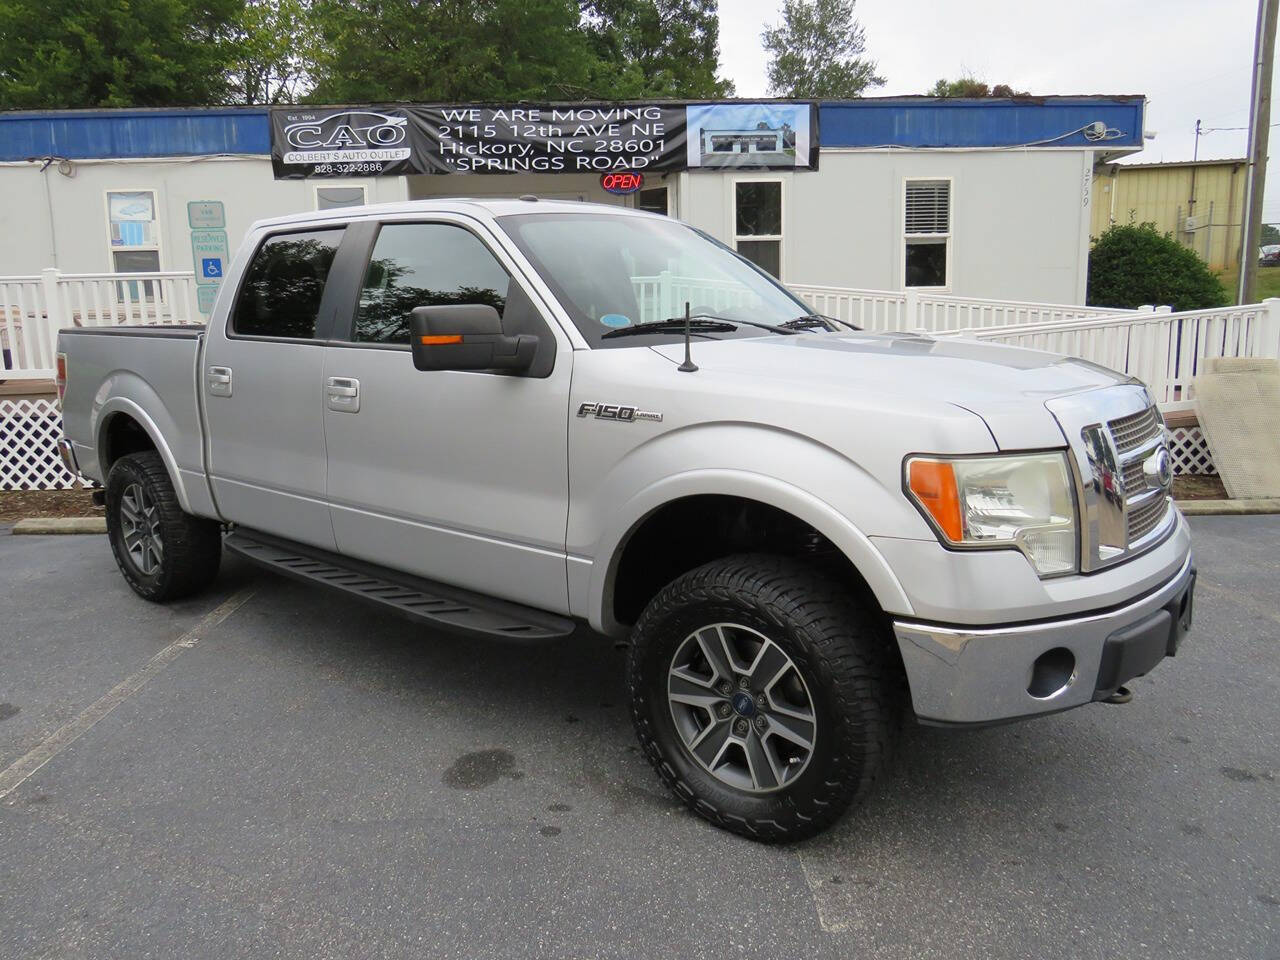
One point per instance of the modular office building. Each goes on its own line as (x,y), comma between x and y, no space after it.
(984,198)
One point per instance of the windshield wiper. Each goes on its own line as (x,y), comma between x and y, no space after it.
(698,323)
(811,320)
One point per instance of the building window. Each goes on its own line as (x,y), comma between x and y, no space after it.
(757,223)
(654,200)
(330,198)
(134,239)
(926,257)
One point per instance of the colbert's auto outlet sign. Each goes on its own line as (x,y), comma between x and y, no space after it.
(575,138)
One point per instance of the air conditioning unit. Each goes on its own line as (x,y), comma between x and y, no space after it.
(1192,224)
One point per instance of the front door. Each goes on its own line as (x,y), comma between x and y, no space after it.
(457,476)
(262,376)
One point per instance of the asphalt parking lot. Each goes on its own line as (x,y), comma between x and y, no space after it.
(299,776)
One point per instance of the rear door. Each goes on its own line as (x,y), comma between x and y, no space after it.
(263,382)
(458,476)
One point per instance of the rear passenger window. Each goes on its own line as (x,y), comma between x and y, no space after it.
(280,295)
(424,265)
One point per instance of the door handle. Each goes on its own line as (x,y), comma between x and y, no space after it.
(342,394)
(219,380)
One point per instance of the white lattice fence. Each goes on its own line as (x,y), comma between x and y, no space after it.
(1190,451)
(29,431)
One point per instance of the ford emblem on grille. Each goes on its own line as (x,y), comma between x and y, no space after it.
(1157,469)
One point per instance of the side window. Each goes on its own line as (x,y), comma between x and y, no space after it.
(423,265)
(280,295)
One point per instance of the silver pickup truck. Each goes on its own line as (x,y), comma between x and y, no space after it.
(505,418)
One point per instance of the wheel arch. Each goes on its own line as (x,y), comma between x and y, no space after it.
(119,420)
(701,494)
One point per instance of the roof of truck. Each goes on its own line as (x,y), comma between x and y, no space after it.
(493,206)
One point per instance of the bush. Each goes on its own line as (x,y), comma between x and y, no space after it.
(1134,265)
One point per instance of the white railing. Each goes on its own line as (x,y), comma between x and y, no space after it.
(1162,349)
(883,310)
(34,309)
(665,295)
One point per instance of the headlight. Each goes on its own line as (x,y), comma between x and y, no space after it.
(1021,500)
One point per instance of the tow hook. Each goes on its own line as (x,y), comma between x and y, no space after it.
(1122,695)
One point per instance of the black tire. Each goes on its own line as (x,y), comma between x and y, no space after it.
(841,651)
(190,548)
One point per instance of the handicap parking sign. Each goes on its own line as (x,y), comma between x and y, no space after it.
(211,268)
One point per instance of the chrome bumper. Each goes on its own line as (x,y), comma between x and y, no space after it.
(68,455)
(962,675)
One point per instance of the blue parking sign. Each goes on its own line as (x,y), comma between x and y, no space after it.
(211,268)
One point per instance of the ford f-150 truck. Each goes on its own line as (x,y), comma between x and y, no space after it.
(505,418)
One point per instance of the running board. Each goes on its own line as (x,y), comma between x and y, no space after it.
(424,601)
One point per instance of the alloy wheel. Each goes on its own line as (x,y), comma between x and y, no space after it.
(741,707)
(140,529)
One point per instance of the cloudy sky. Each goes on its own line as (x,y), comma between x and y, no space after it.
(1191,58)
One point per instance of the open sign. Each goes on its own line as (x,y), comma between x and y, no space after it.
(622,181)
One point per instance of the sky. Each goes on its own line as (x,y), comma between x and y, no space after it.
(1191,58)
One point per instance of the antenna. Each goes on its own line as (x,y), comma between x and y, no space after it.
(688,366)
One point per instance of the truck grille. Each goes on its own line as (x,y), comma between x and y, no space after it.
(1113,433)
(1144,519)
(1132,436)
(1129,433)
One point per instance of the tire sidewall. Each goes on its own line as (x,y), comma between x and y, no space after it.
(125,472)
(658,639)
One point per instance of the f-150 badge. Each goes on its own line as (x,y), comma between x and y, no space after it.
(617,411)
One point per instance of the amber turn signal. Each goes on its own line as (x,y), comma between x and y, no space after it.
(440,339)
(933,482)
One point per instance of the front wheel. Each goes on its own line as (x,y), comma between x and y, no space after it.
(163,553)
(763,695)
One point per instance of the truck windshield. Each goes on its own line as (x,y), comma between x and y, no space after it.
(611,272)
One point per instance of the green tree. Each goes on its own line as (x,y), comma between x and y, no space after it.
(818,52)
(1134,264)
(274,44)
(1270,235)
(449,50)
(970,86)
(655,48)
(115,53)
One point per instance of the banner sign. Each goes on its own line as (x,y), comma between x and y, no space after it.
(573,138)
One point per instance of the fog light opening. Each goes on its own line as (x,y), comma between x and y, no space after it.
(1052,673)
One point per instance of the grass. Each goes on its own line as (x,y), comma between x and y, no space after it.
(1268,283)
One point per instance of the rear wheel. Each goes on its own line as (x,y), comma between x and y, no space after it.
(764,697)
(162,552)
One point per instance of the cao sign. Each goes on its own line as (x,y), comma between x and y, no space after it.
(622,182)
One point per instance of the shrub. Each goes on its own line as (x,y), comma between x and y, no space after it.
(1131,265)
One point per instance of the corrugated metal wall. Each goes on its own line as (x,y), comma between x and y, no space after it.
(1167,194)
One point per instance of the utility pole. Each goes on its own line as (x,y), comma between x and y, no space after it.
(1195,155)
(1264,46)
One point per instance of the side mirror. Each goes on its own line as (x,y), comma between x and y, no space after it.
(466,336)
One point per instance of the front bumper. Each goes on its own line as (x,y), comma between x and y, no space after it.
(961,675)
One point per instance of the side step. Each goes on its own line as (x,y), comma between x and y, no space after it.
(434,604)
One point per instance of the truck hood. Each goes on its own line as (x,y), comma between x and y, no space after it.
(1006,386)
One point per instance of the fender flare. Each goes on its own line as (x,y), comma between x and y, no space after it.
(820,515)
(130,408)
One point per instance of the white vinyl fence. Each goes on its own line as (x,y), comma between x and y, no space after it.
(33,310)
(1164,349)
(887,310)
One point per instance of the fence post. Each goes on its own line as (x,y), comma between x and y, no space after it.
(1269,336)
(911,309)
(47,330)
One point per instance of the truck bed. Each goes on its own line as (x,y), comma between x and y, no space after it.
(148,373)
